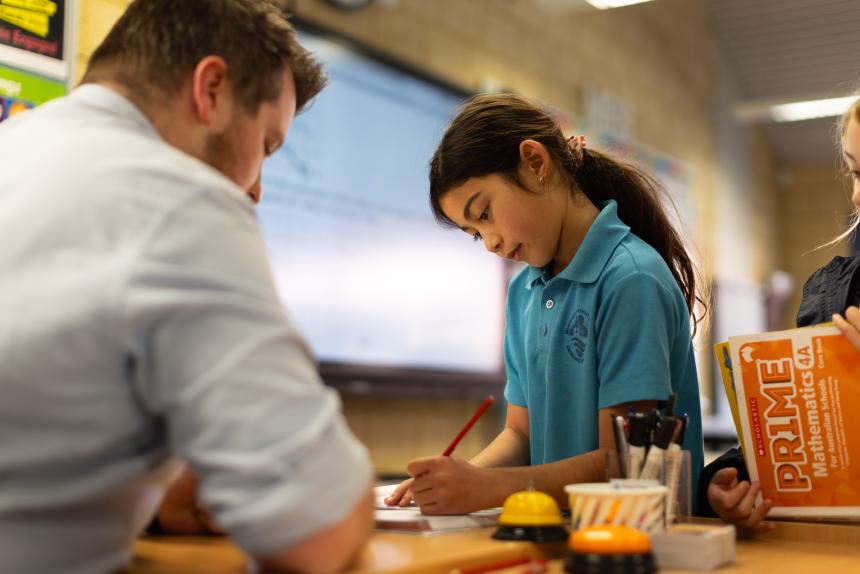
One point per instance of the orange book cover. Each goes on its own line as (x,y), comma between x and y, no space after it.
(798,395)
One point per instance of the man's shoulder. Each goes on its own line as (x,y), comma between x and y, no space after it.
(91,143)
(144,159)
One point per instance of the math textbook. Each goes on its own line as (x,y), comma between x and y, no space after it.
(797,396)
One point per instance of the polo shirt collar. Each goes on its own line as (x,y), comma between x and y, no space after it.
(600,241)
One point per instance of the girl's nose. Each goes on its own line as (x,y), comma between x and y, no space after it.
(493,243)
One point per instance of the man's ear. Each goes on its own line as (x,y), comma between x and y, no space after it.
(212,93)
(535,159)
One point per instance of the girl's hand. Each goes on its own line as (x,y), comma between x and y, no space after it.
(849,325)
(734,501)
(402,495)
(445,485)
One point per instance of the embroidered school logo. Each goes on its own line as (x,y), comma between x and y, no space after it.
(577,330)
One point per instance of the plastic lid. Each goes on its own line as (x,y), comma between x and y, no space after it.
(530,508)
(609,539)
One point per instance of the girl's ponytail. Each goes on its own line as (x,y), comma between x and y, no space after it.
(640,199)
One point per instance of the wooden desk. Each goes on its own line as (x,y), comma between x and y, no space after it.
(793,547)
(391,553)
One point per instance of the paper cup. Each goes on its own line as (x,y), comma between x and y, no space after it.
(635,503)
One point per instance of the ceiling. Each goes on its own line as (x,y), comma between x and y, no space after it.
(780,51)
(791,50)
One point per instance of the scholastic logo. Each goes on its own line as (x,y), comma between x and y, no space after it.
(756,427)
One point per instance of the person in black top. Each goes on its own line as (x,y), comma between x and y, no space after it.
(831,294)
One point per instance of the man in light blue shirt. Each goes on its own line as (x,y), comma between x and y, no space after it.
(140,319)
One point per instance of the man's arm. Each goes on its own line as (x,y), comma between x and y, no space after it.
(180,511)
(333,548)
(328,550)
(217,359)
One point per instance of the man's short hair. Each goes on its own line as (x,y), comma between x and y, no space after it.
(158,43)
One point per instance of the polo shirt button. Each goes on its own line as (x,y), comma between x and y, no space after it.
(543,331)
(549,303)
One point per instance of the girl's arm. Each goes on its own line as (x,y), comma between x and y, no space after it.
(511,446)
(443,485)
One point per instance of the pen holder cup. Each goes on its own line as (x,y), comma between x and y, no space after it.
(676,476)
(639,504)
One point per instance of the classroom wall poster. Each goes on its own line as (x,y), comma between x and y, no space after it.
(37,36)
(20,91)
(33,63)
(35,26)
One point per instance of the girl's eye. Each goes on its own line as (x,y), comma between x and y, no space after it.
(485,214)
(855,175)
(476,236)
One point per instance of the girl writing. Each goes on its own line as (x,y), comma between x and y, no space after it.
(598,320)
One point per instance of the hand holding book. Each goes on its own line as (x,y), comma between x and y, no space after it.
(849,325)
(795,393)
(735,501)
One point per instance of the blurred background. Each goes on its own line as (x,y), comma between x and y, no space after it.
(407,318)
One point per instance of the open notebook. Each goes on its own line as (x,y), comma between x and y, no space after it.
(410,519)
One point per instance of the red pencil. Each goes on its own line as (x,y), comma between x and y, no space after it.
(481,410)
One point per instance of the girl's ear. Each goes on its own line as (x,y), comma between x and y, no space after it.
(535,159)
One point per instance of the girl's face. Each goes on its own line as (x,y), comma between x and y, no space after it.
(514,223)
(851,153)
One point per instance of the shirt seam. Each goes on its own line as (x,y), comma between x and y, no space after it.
(116,314)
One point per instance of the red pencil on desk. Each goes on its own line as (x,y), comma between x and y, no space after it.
(481,410)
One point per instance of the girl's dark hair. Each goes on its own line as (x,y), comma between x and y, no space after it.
(485,139)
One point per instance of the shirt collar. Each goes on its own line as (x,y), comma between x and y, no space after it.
(104,98)
(605,233)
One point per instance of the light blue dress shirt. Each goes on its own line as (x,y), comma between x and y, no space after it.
(139,321)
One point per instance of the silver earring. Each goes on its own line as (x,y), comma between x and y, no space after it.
(540,179)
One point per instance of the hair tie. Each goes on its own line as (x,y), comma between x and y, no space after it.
(577,148)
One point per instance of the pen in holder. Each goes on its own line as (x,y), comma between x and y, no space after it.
(637,443)
(670,468)
(613,465)
(676,476)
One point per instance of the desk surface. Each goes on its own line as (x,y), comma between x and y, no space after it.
(793,547)
(385,552)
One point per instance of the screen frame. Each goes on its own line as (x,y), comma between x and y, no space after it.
(355,379)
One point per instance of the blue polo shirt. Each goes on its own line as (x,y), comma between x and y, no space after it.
(611,328)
